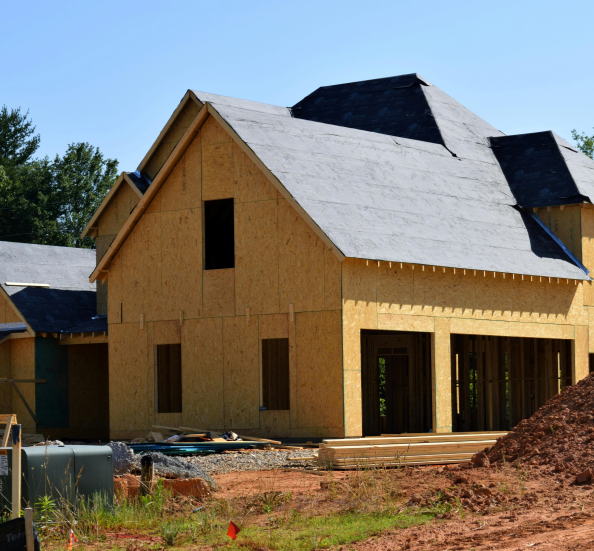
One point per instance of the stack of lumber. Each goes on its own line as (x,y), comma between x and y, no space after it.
(411,449)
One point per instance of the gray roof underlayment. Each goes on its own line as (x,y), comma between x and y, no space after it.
(69,299)
(381,197)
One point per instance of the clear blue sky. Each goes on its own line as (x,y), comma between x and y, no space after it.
(111,73)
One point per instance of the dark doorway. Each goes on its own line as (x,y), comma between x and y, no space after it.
(498,381)
(396,382)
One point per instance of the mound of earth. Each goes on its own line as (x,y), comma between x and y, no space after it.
(560,435)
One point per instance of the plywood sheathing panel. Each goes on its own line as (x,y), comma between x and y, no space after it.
(115,290)
(566,225)
(218,171)
(399,322)
(183,188)
(128,378)
(319,369)
(275,423)
(22,360)
(301,262)
(213,134)
(581,358)
(332,281)
(102,243)
(256,257)
(274,326)
(117,211)
(251,184)
(181,261)
(219,292)
(141,270)
(405,291)
(5,372)
(202,373)
(166,332)
(172,136)
(587,218)
(241,373)
(359,311)
(511,329)
(441,377)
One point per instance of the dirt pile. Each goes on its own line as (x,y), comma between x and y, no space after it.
(560,435)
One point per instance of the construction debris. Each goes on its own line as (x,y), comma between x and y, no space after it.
(392,451)
(123,457)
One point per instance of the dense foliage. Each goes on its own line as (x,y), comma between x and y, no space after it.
(48,201)
(584,143)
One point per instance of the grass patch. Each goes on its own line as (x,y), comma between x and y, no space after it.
(345,511)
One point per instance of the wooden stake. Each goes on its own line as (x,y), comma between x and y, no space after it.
(147,473)
(29,529)
(181,317)
(16,471)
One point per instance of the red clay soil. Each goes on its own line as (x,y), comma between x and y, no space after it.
(559,436)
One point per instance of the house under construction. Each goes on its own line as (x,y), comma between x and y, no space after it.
(376,258)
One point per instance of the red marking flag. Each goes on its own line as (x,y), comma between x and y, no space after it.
(233,530)
(72,539)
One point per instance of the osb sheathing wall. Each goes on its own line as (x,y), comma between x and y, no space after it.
(157,277)
(17,361)
(108,226)
(407,299)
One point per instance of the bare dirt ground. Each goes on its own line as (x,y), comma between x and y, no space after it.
(490,508)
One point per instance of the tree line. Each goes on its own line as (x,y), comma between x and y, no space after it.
(48,201)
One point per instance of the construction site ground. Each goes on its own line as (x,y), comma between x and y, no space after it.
(433,508)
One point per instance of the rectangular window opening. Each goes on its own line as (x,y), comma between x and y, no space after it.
(275,374)
(219,235)
(169,379)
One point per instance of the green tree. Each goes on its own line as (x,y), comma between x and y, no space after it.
(82,177)
(18,141)
(43,201)
(584,143)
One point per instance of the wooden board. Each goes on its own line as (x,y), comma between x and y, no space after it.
(413,439)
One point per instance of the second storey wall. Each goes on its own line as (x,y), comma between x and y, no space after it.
(160,294)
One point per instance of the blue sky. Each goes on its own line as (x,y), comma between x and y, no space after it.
(111,73)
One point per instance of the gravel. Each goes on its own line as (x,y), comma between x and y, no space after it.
(250,461)
(203,466)
(175,467)
(123,457)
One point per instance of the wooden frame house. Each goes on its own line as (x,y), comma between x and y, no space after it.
(374,259)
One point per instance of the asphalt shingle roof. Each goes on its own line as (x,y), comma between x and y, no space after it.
(69,299)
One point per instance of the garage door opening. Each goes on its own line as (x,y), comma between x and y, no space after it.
(498,381)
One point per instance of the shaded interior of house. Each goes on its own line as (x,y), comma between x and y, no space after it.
(496,381)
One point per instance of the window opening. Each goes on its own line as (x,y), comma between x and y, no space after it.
(219,238)
(275,374)
(169,378)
